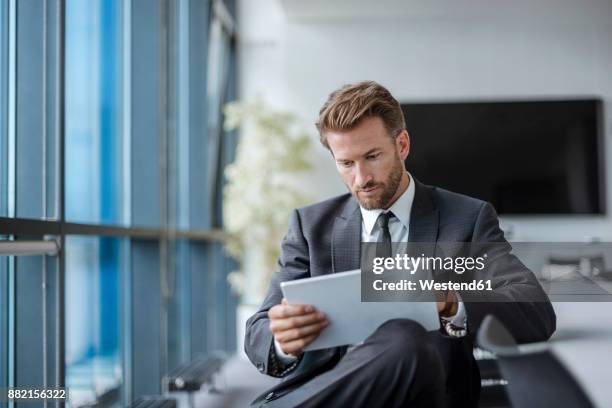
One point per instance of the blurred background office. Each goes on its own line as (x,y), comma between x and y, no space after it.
(468,51)
(137,231)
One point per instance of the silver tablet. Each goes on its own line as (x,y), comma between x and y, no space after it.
(338,295)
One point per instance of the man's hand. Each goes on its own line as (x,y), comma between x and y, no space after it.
(295,326)
(446,301)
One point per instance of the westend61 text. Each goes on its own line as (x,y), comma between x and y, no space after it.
(430,284)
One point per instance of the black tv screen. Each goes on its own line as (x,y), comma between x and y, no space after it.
(532,157)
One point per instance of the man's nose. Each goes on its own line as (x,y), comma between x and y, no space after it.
(362,175)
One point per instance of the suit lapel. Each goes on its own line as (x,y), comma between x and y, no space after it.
(424,220)
(346,239)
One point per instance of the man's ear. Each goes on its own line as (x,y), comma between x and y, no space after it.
(402,143)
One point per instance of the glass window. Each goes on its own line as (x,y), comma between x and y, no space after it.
(27,330)
(137,306)
(218,71)
(178,123)
(3,321)
(32,281)
(31,99)
(93,121)
(93,318)
(4,336)
(3,107)
(176,289)
(148,126)
(218,75)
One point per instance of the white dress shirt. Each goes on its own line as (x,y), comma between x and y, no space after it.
(399,228)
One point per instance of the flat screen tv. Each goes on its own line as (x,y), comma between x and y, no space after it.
(530,157)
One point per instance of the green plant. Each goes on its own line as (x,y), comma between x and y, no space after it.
(262,188)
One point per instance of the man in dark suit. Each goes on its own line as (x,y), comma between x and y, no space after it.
(400,364)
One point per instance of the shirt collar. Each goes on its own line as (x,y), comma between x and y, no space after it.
(401,208)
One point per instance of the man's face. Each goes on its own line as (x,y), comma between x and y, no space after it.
(370,162)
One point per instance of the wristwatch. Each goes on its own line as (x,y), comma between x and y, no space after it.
(451,329)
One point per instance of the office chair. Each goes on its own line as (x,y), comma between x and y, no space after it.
(535,379)
(492,385)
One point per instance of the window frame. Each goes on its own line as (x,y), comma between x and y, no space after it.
(196,226)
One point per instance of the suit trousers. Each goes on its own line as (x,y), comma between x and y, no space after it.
(397,366)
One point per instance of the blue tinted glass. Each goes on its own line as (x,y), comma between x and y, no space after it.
(93,128)
(3,321)
(217,81)
(93,363)
(177,286)
(3,107)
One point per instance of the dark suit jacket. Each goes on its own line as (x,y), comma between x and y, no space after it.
(326,238)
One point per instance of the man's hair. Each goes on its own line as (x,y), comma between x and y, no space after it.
(348,106)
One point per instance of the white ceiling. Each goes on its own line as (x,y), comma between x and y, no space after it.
(564,10)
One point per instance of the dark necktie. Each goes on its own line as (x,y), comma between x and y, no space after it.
(383,246)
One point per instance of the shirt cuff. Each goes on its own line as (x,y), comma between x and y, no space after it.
(459,319)
(283,357)
(276,367)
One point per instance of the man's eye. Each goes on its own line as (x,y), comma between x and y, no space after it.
(373,156)
(346,164)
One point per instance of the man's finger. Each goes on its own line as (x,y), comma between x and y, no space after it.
(284,311)
(278,325)
(296,347)
(304,331)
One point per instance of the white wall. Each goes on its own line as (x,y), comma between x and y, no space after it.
(294,53)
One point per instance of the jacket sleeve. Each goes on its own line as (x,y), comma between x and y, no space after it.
(517,299)
(293,263)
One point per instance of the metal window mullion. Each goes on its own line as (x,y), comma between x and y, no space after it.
(44,196)
(126,274)
(60,137)
(3,321)
(59,141)
(28,248)
(126,320)
(11,112)
(11,324)
(3,85)
(224,61)
(183,170)
(21,226)
(126,77)
(44,114)
(164,106)
(11,105)
(44,322)
(184,119)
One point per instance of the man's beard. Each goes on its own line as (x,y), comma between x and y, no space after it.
(388,188)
